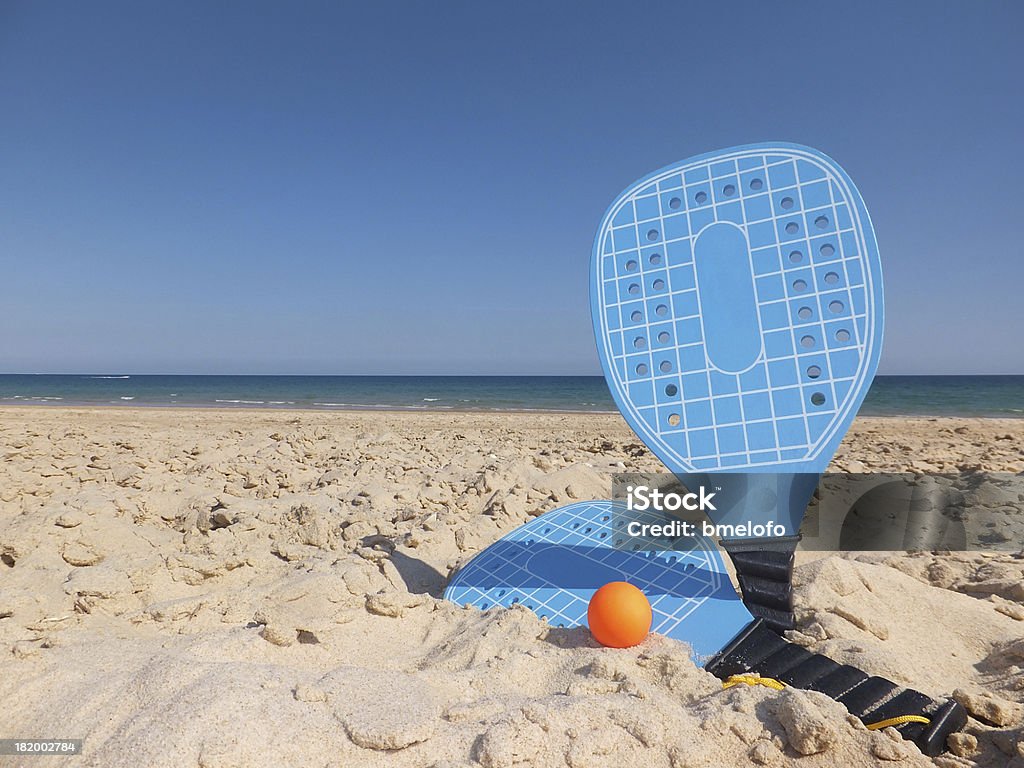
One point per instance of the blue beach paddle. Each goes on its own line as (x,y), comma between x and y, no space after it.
(737,304)
(554,564)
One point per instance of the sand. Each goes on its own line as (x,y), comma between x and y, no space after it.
(249,588)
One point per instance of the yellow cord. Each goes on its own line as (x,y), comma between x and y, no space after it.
(770,682)
(767,682)
(897,721)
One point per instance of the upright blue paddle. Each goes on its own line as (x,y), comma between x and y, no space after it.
(553,564)
(737,304)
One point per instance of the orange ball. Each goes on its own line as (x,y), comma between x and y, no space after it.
(619,615)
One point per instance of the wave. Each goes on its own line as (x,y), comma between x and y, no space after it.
(243,402)
(431,399)
(379,406)
(127,398)
(108,377)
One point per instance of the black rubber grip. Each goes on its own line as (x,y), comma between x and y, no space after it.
(760,650)
(766,592)
(766,583)
(775,566)
(778,620)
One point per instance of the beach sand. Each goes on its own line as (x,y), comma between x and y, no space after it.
(249,588)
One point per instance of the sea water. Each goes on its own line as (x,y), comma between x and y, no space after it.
(889,396)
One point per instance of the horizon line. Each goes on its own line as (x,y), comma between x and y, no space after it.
(412,375)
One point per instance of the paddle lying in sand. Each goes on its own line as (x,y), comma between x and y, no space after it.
(553,564)
(737,305)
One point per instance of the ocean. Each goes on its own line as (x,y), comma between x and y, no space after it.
(890,395)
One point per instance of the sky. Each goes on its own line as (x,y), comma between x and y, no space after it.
(414,188)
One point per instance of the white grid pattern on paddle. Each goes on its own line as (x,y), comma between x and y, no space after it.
(676,582)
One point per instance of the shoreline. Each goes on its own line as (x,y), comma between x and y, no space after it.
(249,408)
(396,409)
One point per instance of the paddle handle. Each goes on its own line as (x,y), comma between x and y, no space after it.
(877,702)
(764,569)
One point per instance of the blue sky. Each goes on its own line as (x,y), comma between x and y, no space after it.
(414,187)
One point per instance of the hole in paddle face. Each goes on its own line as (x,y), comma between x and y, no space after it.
(814,372)
(674,203)
(641,369)
(700,198)
(671,390)
(756,184)
(842,335)
(818,398)
(673,420)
